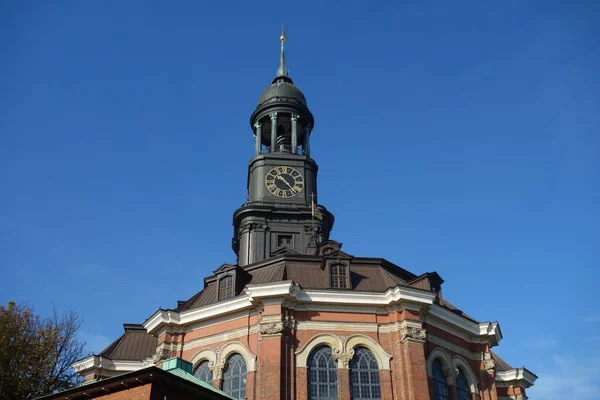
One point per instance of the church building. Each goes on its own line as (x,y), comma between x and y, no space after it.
(300,317)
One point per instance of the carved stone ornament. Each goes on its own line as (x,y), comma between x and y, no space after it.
(411,332)
(488,362)
(343,355)
(274,328)
(161,354)
(344,360)
(217,370)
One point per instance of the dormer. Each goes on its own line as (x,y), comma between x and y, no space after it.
(231,279)
(337,264)
(431,281)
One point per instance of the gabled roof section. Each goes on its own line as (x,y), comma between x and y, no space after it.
(134,345)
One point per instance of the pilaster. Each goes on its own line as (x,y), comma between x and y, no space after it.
(411,344)
(270,360)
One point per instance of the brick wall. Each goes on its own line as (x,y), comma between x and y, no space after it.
(278,377)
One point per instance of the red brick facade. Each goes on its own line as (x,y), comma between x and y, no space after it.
(279,373)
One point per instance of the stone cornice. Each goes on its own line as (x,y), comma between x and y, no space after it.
(515,377)
(477,332)
(99,364)
(290,293)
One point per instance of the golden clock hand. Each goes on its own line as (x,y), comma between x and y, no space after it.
(283,180)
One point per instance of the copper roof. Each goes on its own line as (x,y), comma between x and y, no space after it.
(135,344)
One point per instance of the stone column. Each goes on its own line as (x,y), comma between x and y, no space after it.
(258,137)
(306,144)
(273,116)
(294,133)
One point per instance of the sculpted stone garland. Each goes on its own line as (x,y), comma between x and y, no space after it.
(410,332)
(270,329)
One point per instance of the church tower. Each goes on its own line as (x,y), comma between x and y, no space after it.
(282,211)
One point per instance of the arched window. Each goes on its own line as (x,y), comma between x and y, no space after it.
(440,384)
(204,373)
(364,375)
(322,375)
(234,377)
(462,386)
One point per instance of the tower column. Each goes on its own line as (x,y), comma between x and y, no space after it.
(294,133)
(306,144)
(273,116)
(258,138)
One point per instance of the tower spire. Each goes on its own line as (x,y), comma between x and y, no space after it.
(282,70)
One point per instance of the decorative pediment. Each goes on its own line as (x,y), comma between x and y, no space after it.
(329,247)
(224,267)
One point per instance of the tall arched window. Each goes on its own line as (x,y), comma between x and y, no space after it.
(322,375)
(234,377)
(204,373)
(462,386)
(364,375)
(440,384)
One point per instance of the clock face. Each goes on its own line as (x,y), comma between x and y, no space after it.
(284,182)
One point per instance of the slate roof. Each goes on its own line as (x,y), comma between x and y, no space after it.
(134,345)
(501,365)
(449,306)
(367,274)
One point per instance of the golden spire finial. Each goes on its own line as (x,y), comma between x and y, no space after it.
(283,35)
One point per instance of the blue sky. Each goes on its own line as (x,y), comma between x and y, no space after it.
(461,138)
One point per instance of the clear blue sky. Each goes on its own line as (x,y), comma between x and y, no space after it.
(461,138)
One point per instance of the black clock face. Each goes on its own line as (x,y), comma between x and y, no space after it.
(284,182)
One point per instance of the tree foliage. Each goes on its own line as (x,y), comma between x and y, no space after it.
(36,353)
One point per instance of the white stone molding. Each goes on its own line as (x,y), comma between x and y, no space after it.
(382,357)
(290,292)
(322,339)
(474,332)
(204,355)
(236,347)
(106,366)
(440,354)
(460,363)
(515,377)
